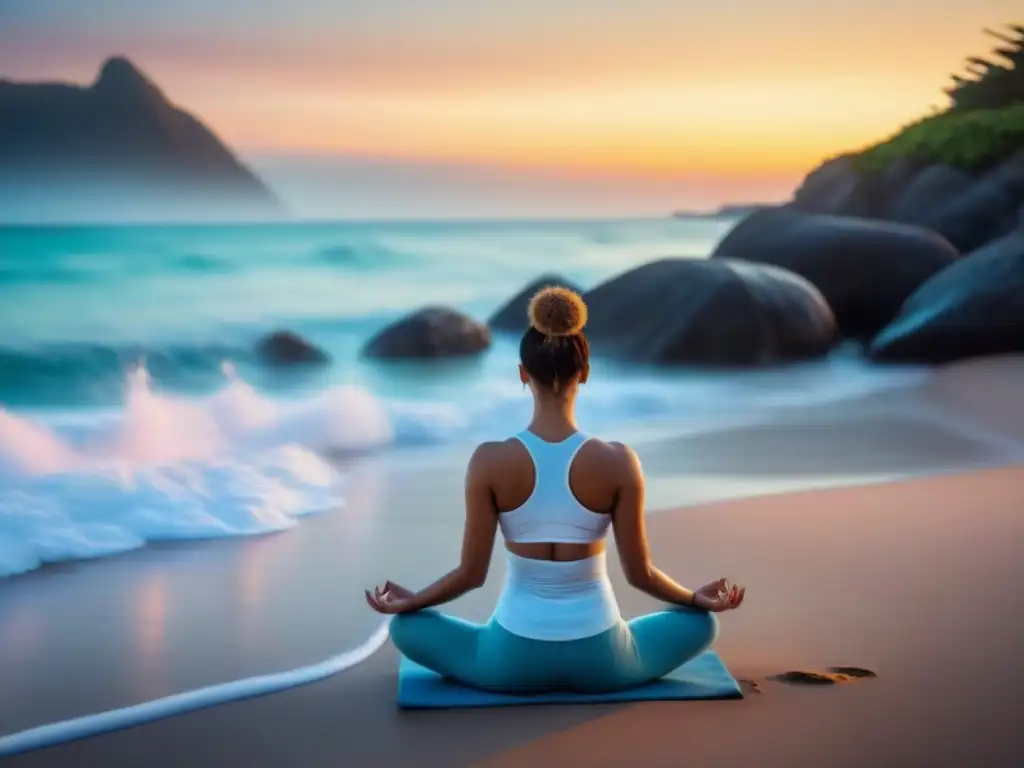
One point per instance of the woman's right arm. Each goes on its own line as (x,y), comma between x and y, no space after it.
(631,537)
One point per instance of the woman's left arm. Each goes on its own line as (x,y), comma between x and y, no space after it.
(477,538)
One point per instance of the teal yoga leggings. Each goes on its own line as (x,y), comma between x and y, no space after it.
(491,658)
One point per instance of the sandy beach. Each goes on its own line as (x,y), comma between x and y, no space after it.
(883,534)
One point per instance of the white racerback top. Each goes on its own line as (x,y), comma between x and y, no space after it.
(547,600)
(552,513)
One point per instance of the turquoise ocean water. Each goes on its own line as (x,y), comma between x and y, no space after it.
(132,410)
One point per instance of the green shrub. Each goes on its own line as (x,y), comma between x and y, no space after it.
(983,124)
(970,140)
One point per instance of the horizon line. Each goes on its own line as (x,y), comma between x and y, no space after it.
(299,220)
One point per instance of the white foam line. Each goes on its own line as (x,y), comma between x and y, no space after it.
(1002,443)
(127,717)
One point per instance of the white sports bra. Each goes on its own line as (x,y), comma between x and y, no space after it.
(552,513)
(549,600)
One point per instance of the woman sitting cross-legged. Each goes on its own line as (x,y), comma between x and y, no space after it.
(554,492)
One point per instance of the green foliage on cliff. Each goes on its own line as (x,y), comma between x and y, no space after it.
(970,140)
(983,124)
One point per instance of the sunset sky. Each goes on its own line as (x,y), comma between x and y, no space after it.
(634,105)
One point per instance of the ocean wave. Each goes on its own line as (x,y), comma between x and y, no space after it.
(12,275)
(204,263)
(94,373)
(167,468)
(361,256)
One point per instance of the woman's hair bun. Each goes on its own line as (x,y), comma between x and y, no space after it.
(556,311)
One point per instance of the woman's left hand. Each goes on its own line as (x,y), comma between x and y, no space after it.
(392,598)
(719,596)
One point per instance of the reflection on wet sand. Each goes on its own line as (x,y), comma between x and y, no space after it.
(150,617)
(21,627)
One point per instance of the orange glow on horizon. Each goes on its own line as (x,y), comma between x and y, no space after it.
(747,127)
(653,90)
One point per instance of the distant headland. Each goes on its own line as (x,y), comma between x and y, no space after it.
(722,212)
(117,150)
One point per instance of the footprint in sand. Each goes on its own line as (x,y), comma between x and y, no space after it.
(858,672)
(833,676)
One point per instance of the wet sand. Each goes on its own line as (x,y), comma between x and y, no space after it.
(915,579)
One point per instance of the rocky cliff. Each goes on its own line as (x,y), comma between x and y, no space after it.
(117,149)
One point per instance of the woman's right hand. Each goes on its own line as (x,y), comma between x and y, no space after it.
(719,596)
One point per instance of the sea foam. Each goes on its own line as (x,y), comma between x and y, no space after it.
(165,468)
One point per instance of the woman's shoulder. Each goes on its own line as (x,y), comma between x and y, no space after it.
(493,453)
(608,466)
(615,456)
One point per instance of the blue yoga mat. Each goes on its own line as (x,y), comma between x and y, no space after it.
(705,677)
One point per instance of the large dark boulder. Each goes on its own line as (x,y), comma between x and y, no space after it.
(973,308)
(283,348)
(430,333)
(714,313)
(983,211)
(838,187)
(969,209)
(893,181)
(835,186)
(929,191)
(865,269)
(512,315)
